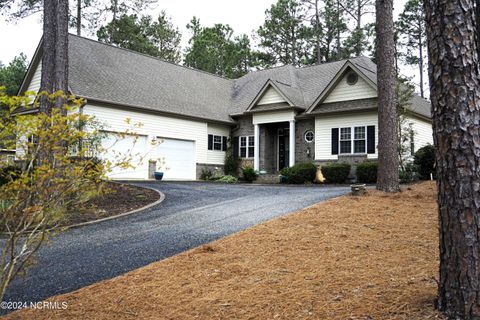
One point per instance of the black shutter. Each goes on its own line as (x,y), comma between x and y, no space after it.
(371,139)
(224,143)
(210,142)
(334,140)
(235,147)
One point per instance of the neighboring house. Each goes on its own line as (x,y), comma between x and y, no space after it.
(274,117)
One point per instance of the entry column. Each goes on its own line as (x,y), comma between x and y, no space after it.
(291,140)
(256,148)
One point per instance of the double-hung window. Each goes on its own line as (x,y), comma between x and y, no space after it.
(345,140)
(353,140)
(247,147)
(360,141)
(217,143)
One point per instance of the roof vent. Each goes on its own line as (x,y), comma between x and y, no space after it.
(352,78)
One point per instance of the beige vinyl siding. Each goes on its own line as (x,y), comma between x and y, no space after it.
(153,126)
(34,84)
(423,132)
(215,156)
(270,96)
(345,92)
(323,131)
(273,116)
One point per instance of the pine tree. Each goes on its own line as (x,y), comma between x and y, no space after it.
(284,36)
(411,28)
(387,119)
(455,95)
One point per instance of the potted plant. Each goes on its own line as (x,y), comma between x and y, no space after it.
(159,172)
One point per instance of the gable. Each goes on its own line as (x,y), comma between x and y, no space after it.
(344,91)
(34,84)
(271,95)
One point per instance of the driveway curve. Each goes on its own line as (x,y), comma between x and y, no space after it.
(193,213)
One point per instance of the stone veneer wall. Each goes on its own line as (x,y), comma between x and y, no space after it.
(212,167)
(352,160)
(301,146)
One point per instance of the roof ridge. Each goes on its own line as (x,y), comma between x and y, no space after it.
(151,57)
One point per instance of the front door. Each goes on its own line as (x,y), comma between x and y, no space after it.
(283,148)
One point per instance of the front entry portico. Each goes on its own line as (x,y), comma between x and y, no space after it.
(274,138)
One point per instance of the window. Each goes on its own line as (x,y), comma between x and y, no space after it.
(360,140)
(309,136)
(353,140)
(247,147)
(345,140)
(217,143)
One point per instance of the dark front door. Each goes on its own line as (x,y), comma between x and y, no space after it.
(283,148)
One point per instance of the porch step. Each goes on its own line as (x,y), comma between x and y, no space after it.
(268,178)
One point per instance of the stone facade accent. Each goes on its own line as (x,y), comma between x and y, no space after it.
(304,151)
(244,126)
(214,168)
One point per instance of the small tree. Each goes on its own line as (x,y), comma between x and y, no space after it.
(58,174)
(405,131)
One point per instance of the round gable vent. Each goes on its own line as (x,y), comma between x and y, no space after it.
(352,78)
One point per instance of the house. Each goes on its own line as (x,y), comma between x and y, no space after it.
(274,118)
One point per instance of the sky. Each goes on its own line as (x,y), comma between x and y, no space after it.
(243,16)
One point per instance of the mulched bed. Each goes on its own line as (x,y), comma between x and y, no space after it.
(372,257)
(117,198)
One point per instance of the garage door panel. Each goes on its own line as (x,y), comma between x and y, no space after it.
(178,157)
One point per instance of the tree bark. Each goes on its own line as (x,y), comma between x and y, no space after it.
(388,180)
(79,17)
(55,52)
(455,96)
(420,61)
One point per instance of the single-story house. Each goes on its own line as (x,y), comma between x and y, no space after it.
(274,118)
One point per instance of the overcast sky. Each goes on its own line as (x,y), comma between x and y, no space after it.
(243,16)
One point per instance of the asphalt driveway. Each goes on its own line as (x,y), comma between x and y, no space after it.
(192,214)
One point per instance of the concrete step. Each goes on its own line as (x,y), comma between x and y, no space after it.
(268,178)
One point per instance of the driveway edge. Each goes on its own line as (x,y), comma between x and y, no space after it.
(148,206)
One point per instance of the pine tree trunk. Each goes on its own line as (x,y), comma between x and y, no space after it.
(55,51)
(79,17)
(388,180)
(420,60)
(455,95)
(317,32)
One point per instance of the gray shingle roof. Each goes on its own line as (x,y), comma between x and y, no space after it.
(106,73)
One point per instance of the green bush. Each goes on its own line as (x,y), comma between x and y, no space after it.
(231,163)
(9,173)
(367,172)
(206,174)
(249,174)
(228,179)
(410,174)
(424,159)
(336,172)
(300,173)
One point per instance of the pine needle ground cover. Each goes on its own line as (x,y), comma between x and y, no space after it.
(371,257)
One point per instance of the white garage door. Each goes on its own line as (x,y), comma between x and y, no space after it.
(178,157)
(119,148)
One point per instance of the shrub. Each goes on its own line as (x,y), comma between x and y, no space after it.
(206,174)
(249,174)
(336,172)
(367,172)
(410,173)
(231,163)
(9,173)
(228,179)
(425,159)
(300,173)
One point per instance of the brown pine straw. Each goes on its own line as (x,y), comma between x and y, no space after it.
(371,257)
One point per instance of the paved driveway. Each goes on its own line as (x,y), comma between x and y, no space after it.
(191,214)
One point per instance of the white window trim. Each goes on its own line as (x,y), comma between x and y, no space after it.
(305,136)
(213,143)
(247,146)
(352,140)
